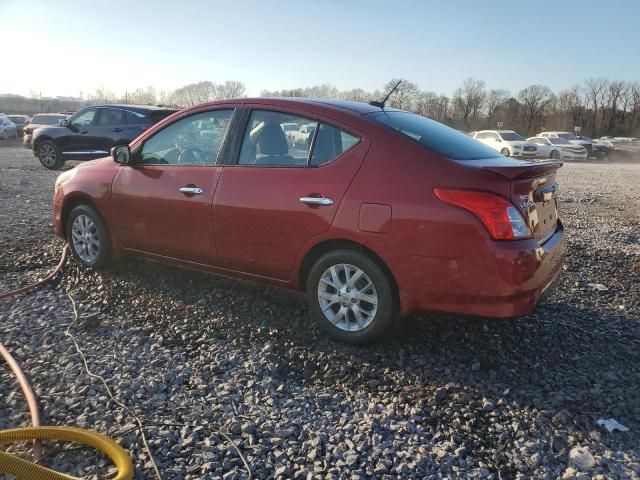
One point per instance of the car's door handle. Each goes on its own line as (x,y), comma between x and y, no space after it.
(117,129)
(191,190)
(316,201)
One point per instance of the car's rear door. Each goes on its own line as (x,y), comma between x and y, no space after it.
(273,198)
(109,128)
(162,203)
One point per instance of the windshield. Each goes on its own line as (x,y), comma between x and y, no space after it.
(559,141)
(16,120)
(47,119)
(512,137)
(435,136)
(567,136)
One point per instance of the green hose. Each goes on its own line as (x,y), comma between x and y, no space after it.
(26,470)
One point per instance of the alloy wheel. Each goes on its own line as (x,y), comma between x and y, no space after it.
(347,297)
(86,239)
(47,155)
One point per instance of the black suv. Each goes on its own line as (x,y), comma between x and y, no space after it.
(91,132)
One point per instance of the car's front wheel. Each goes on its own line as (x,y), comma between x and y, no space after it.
(555,155)
(351,296)
(50,156)
(88,237)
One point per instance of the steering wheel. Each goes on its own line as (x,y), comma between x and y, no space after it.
(192,156)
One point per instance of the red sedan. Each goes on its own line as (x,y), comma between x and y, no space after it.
(379,212)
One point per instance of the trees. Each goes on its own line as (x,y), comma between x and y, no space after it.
(469,100)
(535,99)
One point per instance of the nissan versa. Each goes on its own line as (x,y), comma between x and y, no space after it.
(378,213)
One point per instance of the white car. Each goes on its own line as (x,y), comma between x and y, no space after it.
(301,137)
(289,129)
(508,143)
(558,148)
(570,137)
(8,129)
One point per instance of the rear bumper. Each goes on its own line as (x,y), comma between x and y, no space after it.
(498,279)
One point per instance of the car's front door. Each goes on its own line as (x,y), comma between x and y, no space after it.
(162,202)
(276,197)
(79,135)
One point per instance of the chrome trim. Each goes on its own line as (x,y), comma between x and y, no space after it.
(87,152)
(316,201)
(191,190)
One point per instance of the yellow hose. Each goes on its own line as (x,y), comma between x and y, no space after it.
(26,470)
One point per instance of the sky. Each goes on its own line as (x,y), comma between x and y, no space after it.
(60,48)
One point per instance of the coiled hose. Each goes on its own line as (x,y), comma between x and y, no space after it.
(26,470)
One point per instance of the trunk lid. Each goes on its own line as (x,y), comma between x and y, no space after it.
(533,190)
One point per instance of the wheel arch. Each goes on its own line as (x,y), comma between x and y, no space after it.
(73,201)
(340,243)
(38,140)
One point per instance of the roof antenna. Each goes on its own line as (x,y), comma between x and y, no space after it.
(381,104)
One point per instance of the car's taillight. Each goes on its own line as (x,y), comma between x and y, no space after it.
(500,217)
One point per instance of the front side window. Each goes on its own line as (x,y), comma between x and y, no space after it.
(433,135)
(266,143)
(110,116)
(84,119)
(194,140)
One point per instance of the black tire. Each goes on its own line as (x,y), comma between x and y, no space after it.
(50,156)
(103,254)
(555,155)
(505,152)
(381,320)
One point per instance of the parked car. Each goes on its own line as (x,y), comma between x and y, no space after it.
(558,148)
(20,121)
(388,212)
(38,121)
(302,135)
(570,137)
(507,142)
(91,132)
(7,128)
(289,130)
(602,149)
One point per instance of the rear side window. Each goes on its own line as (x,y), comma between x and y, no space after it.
(110,116)
(266,143)
(433,135)
(135,118)
(157,115)
(330,143)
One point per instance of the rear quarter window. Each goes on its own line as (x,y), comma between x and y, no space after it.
(433,135)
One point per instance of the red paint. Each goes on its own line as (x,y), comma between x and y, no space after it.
(250,223)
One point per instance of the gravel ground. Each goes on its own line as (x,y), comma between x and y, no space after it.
(443,397)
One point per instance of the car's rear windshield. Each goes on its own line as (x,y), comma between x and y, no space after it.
(16,120)
(157,115)
(511,137)
(47,119)
(435,136)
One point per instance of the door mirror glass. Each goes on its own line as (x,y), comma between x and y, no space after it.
(62,123)
(121,154)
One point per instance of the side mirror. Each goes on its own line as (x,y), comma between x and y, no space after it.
(63,123)
(121,154)
(498,140)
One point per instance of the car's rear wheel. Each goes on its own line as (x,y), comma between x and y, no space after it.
(50,156)
(351,297)
(555,155)
(88,237)
(505,152)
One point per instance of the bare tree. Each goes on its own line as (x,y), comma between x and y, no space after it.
(469,99)
(535,98)
(495,98)
(229,89)
(404,97)
(595,88)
